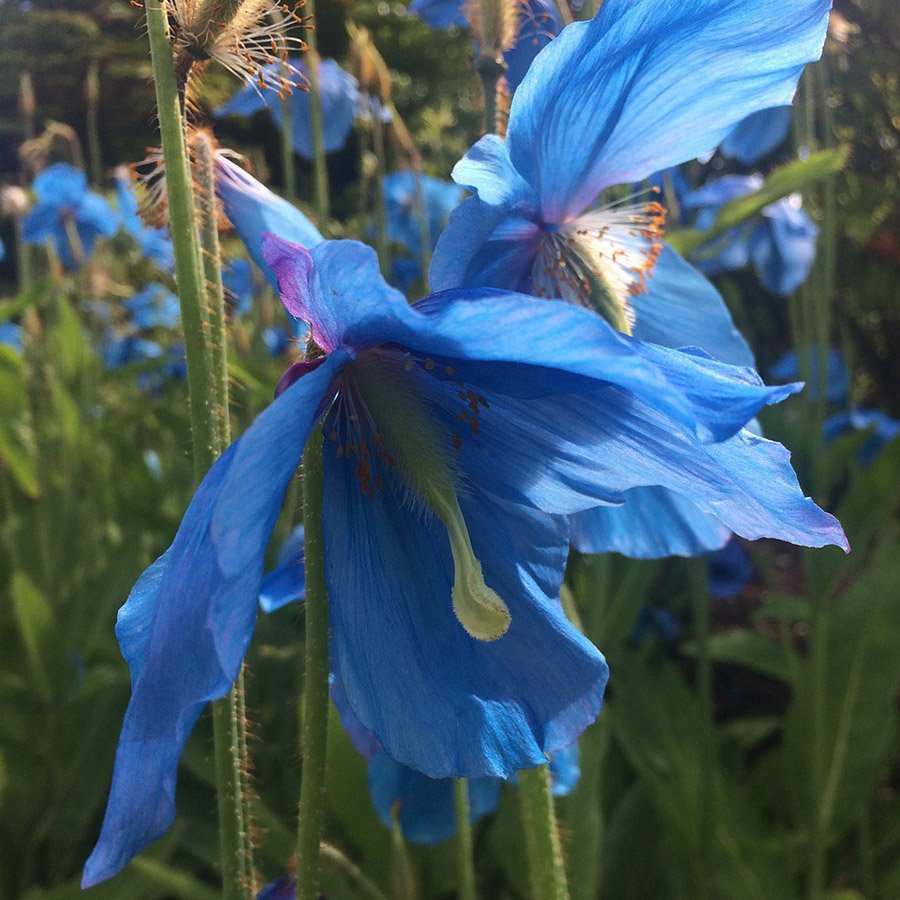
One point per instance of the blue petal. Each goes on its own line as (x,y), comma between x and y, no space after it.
(538,23)
(61,185)
(440,198)
(884,430)
(40,223)
(719,191)
(783,247)
(729,570)
(254,210)
(565,770)
(95,215)
(153,307)
(667,81)
(681,308)
(188,622)
(837,378)
(437,699)
(287,581)
(758,135)
(651,524)
(440,13)
(426,810)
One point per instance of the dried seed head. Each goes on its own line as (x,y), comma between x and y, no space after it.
(494,23)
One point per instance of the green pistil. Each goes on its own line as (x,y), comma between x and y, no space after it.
(408,431)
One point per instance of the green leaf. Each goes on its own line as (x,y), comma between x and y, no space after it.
(39,634)
(15,307)
(749,649)
(789,179)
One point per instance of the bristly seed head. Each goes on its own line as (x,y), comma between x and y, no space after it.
(602,259)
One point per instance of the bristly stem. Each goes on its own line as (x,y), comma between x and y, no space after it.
(489,70)
(545,861)
(320,169)
(206,426)
(314,711)
(465,859)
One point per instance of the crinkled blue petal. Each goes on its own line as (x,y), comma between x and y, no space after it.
(187,625)
(254,210)
(287,581)
(681,308)
(758,135)
(655,98)
(438,700)
(425,806)
(652,523)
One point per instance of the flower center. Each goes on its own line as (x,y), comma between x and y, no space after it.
(602,259)
(409,439)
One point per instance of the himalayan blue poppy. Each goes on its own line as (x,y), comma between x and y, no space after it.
(757,135)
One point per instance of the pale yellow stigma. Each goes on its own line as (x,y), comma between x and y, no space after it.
(408,438)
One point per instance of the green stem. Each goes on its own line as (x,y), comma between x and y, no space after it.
(315,712)
(334,859)
(817,668)
(208,425)
(288,167)
(489,70)
(707,748)
(465,858)
(381,241)
(92,96)
(320,169)
(545,860)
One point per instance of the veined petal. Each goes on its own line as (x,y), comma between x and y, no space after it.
(652,523)
(667,80)
(682,309)
(187,624)
(438,700)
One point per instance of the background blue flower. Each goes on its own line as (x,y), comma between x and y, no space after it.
(154,242)
(883,428)
(758,135)
(153,307)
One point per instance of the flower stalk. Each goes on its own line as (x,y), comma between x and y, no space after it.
(209,425)
(545,861)
(314,710)
(465,859)
(320,169)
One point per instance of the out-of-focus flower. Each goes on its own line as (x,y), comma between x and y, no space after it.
(653,619)
(883,430)
(780,243)
(122,351)
(11,335)
(339,95)
(153,307)
(837,378)
(459,433)
(13,201)
(154,242)
(440,13)
(758,135)
(237,279)
(729,570)
(441,198)
(68,213)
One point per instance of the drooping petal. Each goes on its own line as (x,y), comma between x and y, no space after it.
(666,82)
(757,135)
(426,809)
(188,622)
(437,699)
(652,523)
(254,210)
(682,309)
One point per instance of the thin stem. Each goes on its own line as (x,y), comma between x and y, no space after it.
(320,169)
(334,859)
(208,424)
(465,858)
(92,96)
(315,713)
(288,167)
(707,748)
(489,70)
(381,241)
(545,861)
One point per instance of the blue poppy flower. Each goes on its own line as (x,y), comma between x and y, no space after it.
(780,243)
(11,335)
(539,23)
(254,210)
(173,367)
(653,619)
(64,202)
(441,198)
(122,351)
(339,93)
(153,307)
(531,227)
(758,135)
(729,570)
(237,279)
(883,429)
(459,434)
(440,13)
(837,378)
(286,583)
(154,242)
